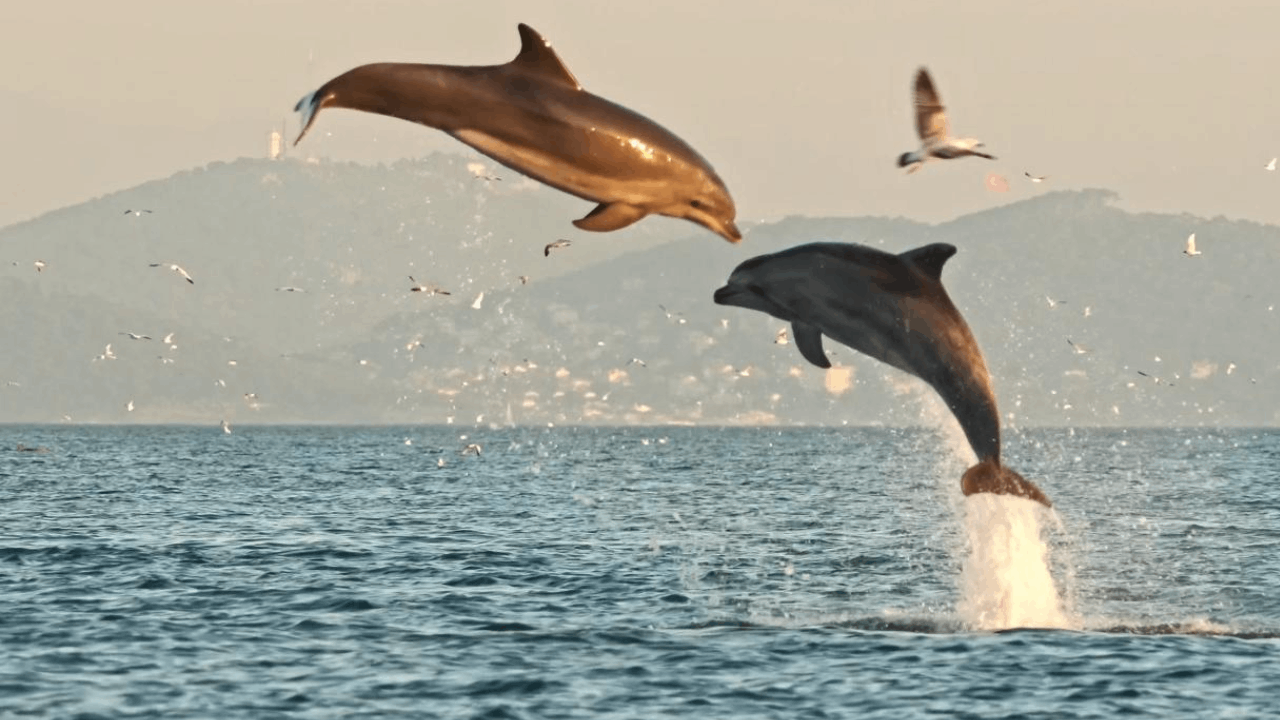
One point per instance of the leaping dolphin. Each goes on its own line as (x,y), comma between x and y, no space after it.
(531,115)
(893,308)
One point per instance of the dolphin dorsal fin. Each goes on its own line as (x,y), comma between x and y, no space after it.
(536,56)
(930,258)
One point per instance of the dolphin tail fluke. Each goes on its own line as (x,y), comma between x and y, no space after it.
(989,476)
(308,107)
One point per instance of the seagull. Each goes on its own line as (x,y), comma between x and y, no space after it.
(39,265)
(129,407)
(1271,165)
(226,427)
(524,279)
(637,361)
(1035,178)
(931,125)
(426,288)
(176,268)
(479,299)
(673,316)
(1191,250)
(472,449)
(289,288)
(781,337)
(1054,303)
(546,251)
(1080,349)
(107,354)
(1156,379)
(136,212)
(168,339)
(135,336)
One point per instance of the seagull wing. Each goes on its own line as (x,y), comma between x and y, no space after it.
(1191,244)
(931,119)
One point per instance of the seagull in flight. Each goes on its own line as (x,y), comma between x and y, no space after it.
(637,361)
(1191,250)
(781,337)
(135,336)
(426,288)
(931,125)
(472,449)
(39,265)
(136,212)
(524,279)
(546,251)
(1054,303)
(1271,165)
(1035,178)
(1079,349)
(176,268)
(289,288)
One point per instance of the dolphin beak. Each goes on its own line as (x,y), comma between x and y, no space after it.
(725,295)
(731,233)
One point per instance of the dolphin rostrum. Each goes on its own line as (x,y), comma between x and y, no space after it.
(893,308)
(531,115)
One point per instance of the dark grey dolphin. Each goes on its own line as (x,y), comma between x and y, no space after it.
(532,115)
(893,308)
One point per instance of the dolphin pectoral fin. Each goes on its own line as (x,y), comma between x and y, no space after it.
(809,341)
(536,56)
(930,258)
(610,216)
(989,476)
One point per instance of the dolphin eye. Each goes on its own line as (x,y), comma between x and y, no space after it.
(696,204)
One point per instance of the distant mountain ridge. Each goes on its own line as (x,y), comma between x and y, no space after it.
(586,341)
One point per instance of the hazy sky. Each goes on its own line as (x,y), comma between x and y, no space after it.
(802,106)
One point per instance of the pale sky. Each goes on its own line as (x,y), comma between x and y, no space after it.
(802,106)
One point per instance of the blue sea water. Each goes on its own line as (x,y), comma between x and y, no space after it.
(323,572)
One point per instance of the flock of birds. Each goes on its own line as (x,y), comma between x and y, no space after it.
(931,124)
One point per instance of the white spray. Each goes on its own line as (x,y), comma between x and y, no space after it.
(1004,579)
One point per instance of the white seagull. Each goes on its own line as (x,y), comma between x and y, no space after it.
(1191,250)
(931,125)
(425,288)
(1271,165)
(39,265)
(289,288)
(781,337)
(135,336)
(546,251)
(136,212)
(1035,178)
(479,299)
(176,268)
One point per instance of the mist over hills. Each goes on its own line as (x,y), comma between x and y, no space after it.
(616,329)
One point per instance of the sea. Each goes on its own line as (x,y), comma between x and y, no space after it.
(640,572)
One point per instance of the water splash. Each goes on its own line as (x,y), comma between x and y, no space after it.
(1005,580)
